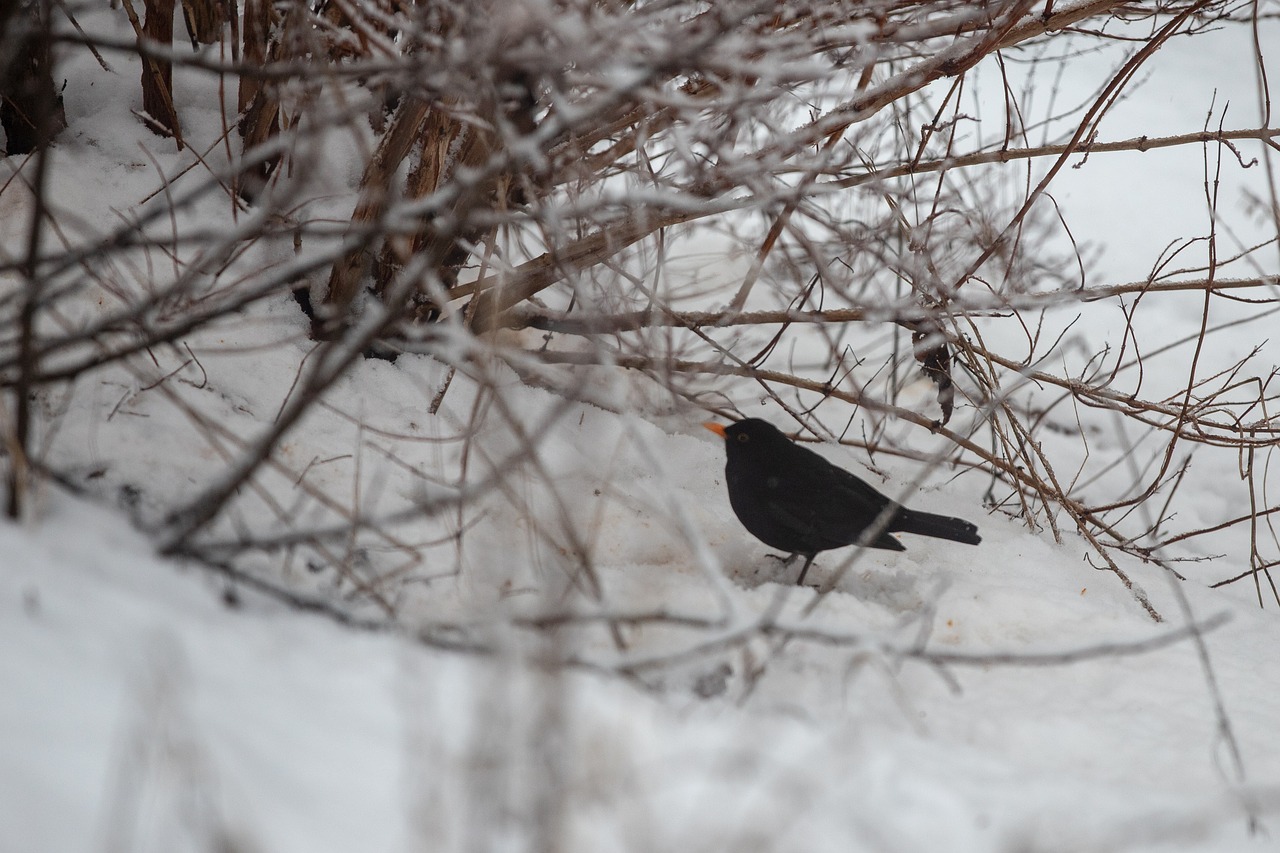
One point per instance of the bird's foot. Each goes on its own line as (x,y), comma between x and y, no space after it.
(808,561)
(788,560)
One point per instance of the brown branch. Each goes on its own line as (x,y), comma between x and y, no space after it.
(157,71)
(1269,136)
(375,189)
(660,317)
(500,292)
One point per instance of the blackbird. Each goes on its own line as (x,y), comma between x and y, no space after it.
(792,499)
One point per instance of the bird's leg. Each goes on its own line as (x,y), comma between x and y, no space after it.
(808,561)
(785,561)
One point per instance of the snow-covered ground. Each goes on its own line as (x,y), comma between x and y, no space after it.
(1008,697)
(140,712)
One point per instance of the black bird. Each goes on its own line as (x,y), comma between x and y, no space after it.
(792,499)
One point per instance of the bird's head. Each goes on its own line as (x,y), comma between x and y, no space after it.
(750,435)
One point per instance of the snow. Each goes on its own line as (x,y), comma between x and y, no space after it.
(139,706)
(149,704)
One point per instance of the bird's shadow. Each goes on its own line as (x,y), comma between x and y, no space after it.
(900,589)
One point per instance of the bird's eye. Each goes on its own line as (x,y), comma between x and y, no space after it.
(743,437)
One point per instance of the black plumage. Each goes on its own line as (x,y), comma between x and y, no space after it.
(792,499)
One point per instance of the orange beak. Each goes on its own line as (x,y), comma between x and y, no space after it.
(715,427)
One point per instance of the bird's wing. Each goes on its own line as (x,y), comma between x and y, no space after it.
(847,494)
(797,521)
(828,523)
(820,500)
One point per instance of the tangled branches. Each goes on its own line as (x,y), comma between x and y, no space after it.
(655,208)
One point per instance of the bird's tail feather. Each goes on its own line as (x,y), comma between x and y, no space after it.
(937,526)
